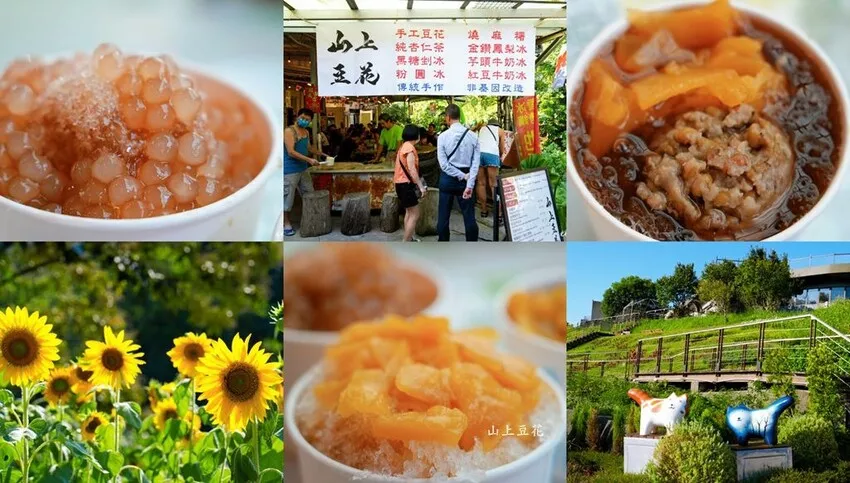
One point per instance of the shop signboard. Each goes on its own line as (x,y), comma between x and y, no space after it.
(527,127)
(406,58)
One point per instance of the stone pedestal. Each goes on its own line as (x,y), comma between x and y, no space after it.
(638,451)
(356,216)
(757,459)
(316,219)
(428,208)
(389,213)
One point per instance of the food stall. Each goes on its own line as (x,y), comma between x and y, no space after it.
(360,60)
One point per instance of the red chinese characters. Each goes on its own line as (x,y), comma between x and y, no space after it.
(498,57)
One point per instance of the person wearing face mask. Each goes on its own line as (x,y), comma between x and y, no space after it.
(296,160)
(390,138)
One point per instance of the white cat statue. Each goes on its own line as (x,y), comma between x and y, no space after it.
(654,412)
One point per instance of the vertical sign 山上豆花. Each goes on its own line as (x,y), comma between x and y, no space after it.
(369,59)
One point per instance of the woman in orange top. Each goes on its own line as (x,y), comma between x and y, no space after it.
(407,178)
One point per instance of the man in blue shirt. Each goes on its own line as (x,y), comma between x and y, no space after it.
(296,160)
(459,155)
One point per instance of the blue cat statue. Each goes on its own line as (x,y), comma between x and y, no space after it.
(749,423)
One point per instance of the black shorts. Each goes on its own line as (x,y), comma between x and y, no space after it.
(406,194)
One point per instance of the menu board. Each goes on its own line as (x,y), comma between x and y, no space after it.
(406,58)
(528,206)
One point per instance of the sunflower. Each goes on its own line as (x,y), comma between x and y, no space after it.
(238,384)
(91,423)
(112,362)
(187,351)
(27,347)
(165,410)
(81,383)
(59,383)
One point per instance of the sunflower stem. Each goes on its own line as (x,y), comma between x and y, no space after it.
(192,424)
(117,400)
(25,462)
(255,439)
(224,463)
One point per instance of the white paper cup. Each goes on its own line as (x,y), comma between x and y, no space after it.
(233,218)
(277,235)
(606,226)
(534,467)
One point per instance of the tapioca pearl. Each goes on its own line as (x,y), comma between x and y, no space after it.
(18,143)
(74,205)
(152,68)
(34,167)
(23,189)
(183,186)
(7,126)
(20,99)
(211,190)
(53,186)
(160,118)
(159,198)
(134,113)
(38,202)
(108,62)
(241,179)
(6,161)
(6,176)
(123,189)
(129,84)
(53,207)
(81,171)
(154,172)
(36,134)
(99,211)
(93,193)
(186,103)
(161,147)
(181,81)
(192,149)
(20,68)
(213,168)
(215,120)
(156,91)
(134,209)
(108,167)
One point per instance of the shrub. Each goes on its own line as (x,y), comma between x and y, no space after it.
(618,430)
(596,467)
(578,427)
(694,453)
(593,430)
(824,399)
(632,420)
(812,439)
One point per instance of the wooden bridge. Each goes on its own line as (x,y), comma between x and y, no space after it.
(729,354)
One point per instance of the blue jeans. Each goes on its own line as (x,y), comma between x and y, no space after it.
(451,189)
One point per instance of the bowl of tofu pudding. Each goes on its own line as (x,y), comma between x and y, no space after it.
(705,121)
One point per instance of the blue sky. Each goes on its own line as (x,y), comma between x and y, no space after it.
(593,266)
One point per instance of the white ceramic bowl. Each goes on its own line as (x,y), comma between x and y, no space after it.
(534,467)
(233,218)
(278,230)
(541,351)
(608,227)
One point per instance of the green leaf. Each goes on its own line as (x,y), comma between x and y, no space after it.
(191,471)
(6,397)
(243,465)
(130,414)
(39,426)
(181,396)
(37,389)
(59,474)
(111,460)
(8,454)
(221,474)
(82,451)
(105,436)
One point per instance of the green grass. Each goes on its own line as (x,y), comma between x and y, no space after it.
(598,467)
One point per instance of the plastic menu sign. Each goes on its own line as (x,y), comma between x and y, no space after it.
(528,206)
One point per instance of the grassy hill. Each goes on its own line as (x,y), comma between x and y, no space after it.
(786,334)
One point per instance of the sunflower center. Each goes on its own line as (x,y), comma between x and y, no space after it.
(241,382)
(60,386)
(112,359)
(171,414)
(19,347)
(93,425)
(193,351)
(83,374)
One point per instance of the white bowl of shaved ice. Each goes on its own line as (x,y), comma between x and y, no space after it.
(522,466)
(119,147)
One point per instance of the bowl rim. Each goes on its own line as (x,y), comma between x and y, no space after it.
(184,218)
(534,279)
(524,461)
(619,26)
